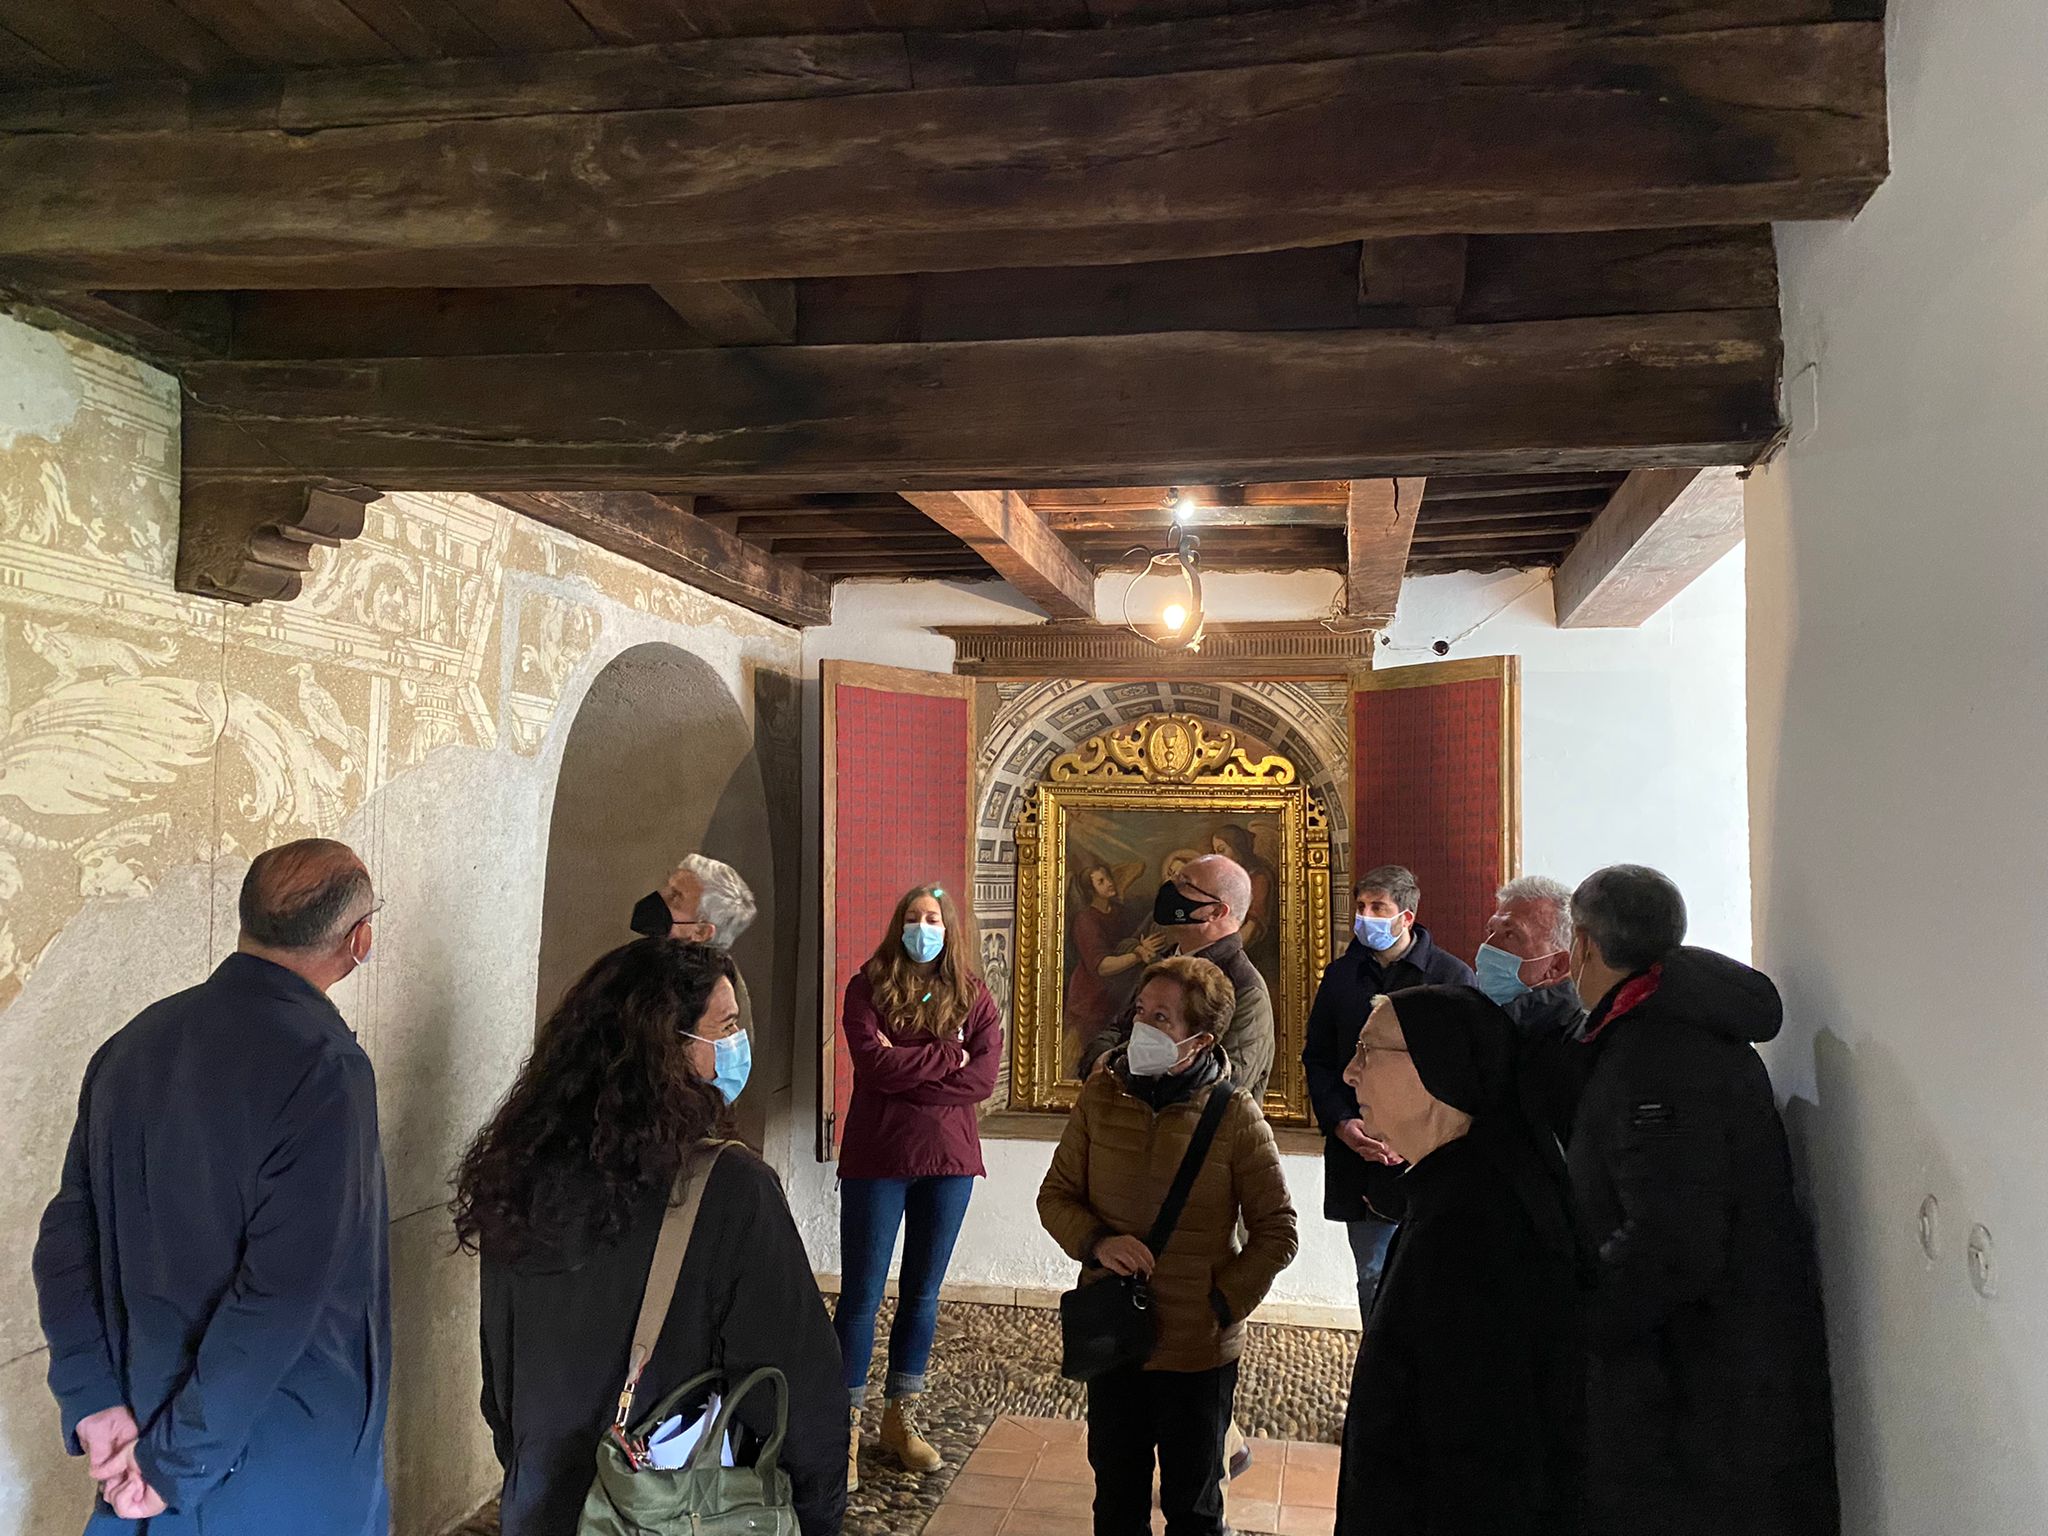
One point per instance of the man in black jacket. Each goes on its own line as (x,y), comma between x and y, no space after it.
(1388,951)
(212,1274)
(1708,1397)
(1525,966)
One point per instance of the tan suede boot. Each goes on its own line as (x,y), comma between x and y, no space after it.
(853,1451)
(901,1439)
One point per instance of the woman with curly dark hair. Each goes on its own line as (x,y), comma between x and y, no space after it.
(563,1194)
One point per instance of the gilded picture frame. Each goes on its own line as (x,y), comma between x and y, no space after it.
(1150,772)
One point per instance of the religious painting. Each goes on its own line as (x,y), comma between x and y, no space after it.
(1111,822)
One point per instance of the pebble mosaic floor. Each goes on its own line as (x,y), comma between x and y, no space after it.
(992,1362)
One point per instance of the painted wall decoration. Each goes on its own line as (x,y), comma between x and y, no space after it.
(145,729)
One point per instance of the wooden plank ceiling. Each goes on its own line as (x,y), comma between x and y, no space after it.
(721,283)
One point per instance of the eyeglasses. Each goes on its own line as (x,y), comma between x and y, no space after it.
(1367,1047)
(375,908)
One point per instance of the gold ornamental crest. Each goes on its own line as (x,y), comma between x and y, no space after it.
(1167,749)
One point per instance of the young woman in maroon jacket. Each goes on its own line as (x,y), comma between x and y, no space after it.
(924,1035)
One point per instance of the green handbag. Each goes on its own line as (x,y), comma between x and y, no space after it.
(630,1497)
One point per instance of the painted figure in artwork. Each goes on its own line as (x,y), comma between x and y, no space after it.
(1107,953)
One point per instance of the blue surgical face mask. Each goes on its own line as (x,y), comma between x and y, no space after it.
(1499,974)
(1376,933)
(923,941)
(732,1062)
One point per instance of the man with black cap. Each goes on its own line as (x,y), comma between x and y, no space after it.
(1466,1415)
(1389,950)
(1707,1381)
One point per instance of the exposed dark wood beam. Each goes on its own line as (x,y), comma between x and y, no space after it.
(1000,527)
(659,534)
(735,314)
(1379,526)
(1567,132)
(550,75)
(1312,289)
(1470,488)
(1662,529)
(1201,407)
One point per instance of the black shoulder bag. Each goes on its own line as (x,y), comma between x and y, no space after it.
(1111,1323)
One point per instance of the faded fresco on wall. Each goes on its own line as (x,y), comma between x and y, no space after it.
(146,730)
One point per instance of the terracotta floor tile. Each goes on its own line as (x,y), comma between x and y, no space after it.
(984,1492)
(999,1463)
(1303,1520)
(1302,1454)
(1316,1486)
(1041,1522)
(1011,1434)
(1076,1499)
(962,1520)
(1060,1466)
(1261,1480)
(1253,1514)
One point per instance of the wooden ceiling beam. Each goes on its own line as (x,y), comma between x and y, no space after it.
(735,314)
(1379,526)
(660,534)
(1000,527)
(1202,407)
(1662,529)
(1566,131)
(1277,290)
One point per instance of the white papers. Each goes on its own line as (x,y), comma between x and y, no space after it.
(670,1445)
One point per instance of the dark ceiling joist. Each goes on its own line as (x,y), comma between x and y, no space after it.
(1662,529)
(1379,526)
(1001,528)
(662,535)
(1213,408)
(1559,130)
(1530,277)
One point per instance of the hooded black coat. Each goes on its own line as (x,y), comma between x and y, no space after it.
(1708,1399)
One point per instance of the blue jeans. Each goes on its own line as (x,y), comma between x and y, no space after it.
(1369,1240)
(870,1212)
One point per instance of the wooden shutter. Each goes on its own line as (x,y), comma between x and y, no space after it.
(897,778)
(1436,770)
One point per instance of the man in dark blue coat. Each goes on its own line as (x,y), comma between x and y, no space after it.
(212,1275)
(1389,951)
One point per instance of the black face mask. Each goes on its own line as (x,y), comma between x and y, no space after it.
(652,917)
(1174,908)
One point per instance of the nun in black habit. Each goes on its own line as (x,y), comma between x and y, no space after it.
(1466,1414)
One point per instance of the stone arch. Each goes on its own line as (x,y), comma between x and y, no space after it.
(659,760)
(1306,722)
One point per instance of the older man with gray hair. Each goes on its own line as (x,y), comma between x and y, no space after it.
(1525,964)
(703,901)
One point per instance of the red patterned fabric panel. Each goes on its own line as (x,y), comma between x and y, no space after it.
(901,821)
(1427,765)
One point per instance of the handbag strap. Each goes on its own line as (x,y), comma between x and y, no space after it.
(678,1222)
(1190,1165)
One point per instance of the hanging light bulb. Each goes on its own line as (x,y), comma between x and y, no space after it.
(1180,615)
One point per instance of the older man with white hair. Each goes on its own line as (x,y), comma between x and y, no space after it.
(1525,965)
(703,901)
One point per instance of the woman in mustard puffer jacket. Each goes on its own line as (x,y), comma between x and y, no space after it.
(1115,1161)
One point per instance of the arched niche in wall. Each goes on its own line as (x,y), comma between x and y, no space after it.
(1034,722)
(661,760)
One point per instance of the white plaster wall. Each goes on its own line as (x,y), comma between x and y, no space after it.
(1899,727)
(1633,749)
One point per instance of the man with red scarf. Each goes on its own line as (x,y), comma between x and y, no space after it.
(1708,1402)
